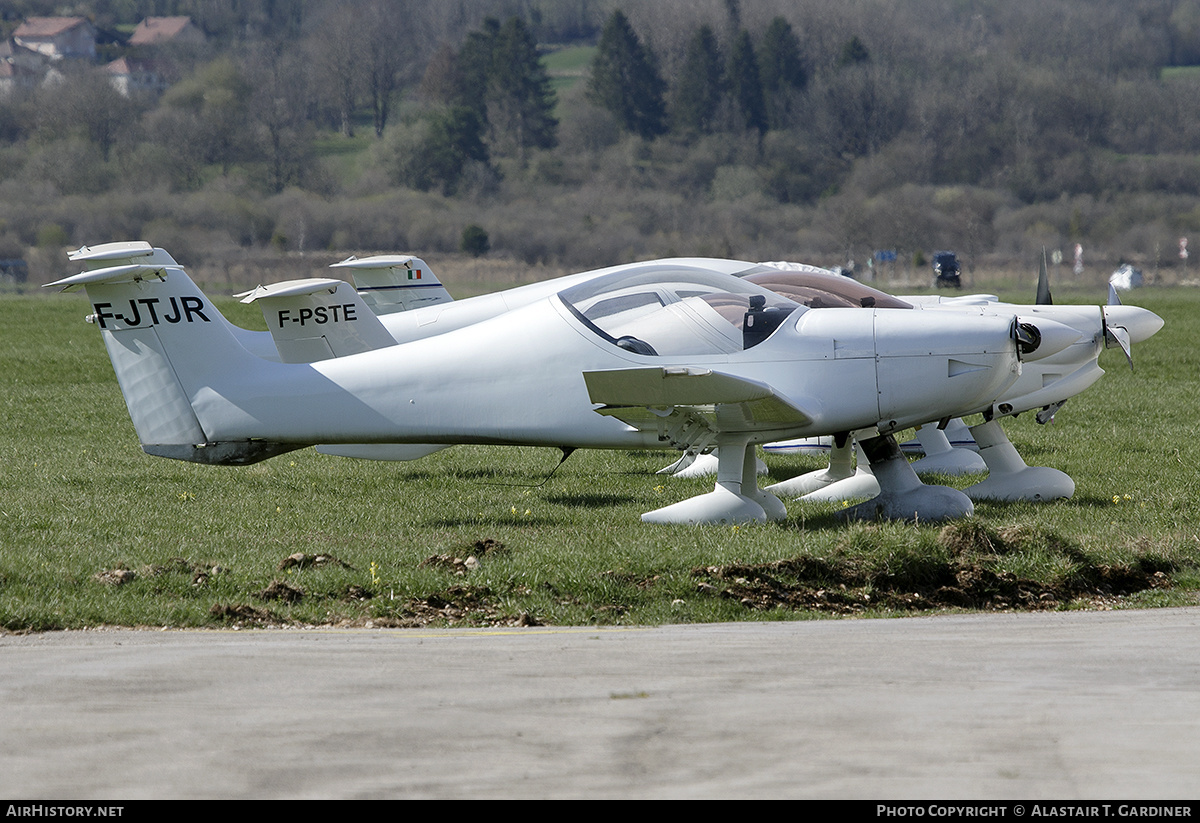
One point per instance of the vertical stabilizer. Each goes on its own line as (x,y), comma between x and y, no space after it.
(318,318)
(168,344)
(392,283)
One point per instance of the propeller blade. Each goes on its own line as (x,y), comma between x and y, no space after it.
(1043,288)
(1115,335)
(1114,299)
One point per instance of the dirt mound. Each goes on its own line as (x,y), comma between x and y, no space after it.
(456,605)
(461,565)
(300,560)
(278,590)
(963,576)
(239,614)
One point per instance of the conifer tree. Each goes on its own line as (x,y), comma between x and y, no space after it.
(625,79)
(854,52)
(701,84)
(782,70)
(501,78)
(519,92)
(453,140)
(745,83)
(474,67)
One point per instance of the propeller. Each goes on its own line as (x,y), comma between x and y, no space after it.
(1043,287)
(1026,335)
(1126,325)
(1118,336)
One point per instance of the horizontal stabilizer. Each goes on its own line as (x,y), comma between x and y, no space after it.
(291,288)
(392,283)
(110,254)
(130,273)
(318,318)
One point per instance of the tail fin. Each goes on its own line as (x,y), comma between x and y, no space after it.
(392,283)
(318,318)
(167,343)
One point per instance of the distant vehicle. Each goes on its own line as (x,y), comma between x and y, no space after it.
(1126,277)
(947,272)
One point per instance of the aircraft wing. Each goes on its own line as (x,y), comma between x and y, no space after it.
(690,407)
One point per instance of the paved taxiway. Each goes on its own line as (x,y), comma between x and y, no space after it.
(1059,705)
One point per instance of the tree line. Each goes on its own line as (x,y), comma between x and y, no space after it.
(792,127)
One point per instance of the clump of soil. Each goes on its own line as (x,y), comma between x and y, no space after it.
(963,578)
(472,605)
(461,565)
(241,614)
(354,592)
(115,577)
(199,572)
(300,560)
(278,590)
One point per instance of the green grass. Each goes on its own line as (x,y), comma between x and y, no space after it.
(567,66)
(79,498)
(571,60)
(1181,73)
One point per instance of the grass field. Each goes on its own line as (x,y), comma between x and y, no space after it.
(94,532)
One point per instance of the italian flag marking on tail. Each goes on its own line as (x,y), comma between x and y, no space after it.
(414,274)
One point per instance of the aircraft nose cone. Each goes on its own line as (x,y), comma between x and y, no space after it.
(1055,337)
(1142,324)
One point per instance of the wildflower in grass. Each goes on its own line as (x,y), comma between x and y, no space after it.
(374,573)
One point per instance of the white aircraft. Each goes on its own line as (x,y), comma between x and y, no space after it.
(678,353)
(1044,385)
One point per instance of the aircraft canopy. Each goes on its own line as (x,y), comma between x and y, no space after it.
(675,310)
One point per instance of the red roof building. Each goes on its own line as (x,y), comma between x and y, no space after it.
(157,31)
(58,37)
